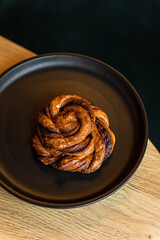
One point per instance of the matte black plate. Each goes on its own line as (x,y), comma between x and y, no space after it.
(26,88)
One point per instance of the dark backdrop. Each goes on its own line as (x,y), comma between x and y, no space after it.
(125,34)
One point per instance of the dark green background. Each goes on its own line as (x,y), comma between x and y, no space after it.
(123,33)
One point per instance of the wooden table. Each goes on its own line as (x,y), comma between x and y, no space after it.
(133,212)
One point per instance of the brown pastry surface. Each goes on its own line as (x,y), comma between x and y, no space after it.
(73,135)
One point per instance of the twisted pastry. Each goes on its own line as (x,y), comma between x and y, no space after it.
(73,135)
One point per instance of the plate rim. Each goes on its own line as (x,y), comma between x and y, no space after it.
(130,173)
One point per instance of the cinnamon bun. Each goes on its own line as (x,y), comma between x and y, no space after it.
(73,135)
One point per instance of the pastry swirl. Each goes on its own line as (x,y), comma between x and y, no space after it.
(73,135)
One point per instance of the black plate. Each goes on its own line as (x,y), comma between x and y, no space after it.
(26,88)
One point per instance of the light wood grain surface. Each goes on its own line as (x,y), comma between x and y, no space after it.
(131,213)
